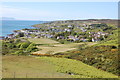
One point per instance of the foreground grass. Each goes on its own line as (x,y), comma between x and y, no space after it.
(77,69)
(28,67)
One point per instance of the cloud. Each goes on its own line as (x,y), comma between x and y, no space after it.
(24,13)
(38,12)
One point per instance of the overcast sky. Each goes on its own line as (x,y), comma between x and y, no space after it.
(60,10)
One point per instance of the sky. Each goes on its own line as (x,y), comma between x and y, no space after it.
(49,11)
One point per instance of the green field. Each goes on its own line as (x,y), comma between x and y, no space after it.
(77,69)
(42,41)
(28,67)
(51,47)
(50,67)
(57,48)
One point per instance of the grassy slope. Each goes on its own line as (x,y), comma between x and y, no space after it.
(79,69)
(24,65)
(34,68)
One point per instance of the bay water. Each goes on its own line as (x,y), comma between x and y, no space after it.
(8,26)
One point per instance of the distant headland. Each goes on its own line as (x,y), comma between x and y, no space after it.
(8,18)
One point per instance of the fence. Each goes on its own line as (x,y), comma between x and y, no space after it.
(34,75)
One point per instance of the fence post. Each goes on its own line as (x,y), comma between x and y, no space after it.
(14,75)
(26,75)
(37,76)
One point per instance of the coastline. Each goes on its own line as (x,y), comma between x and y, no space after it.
(36,27)
(8,26)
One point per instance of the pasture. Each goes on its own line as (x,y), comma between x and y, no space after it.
(57,48)
(49,46)
(28,67)
(42,41)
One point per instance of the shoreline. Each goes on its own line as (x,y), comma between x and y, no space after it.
(60,26)
(25,23)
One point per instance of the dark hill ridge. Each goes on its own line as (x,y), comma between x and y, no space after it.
(107,21)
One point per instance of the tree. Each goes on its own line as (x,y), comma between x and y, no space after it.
(90,39)
(24,45)
(31,48)
(21,34)
(17,41)
(10,45)
(18,45)
(18,52)
(101,38)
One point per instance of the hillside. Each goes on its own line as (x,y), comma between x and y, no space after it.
(49,67)
(77,69)
(71,48)
(28,67)
(103,55)
(107,21)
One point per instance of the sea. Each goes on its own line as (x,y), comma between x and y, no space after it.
(8,26)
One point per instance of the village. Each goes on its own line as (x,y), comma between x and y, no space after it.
(61,32)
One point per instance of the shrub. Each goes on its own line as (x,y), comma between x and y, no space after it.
(114,47)
(17,41)
(18,45)
(11,45)
(31,48)
(21,35)
(24,45)
(18,52)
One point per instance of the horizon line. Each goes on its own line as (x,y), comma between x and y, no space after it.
(64,19)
